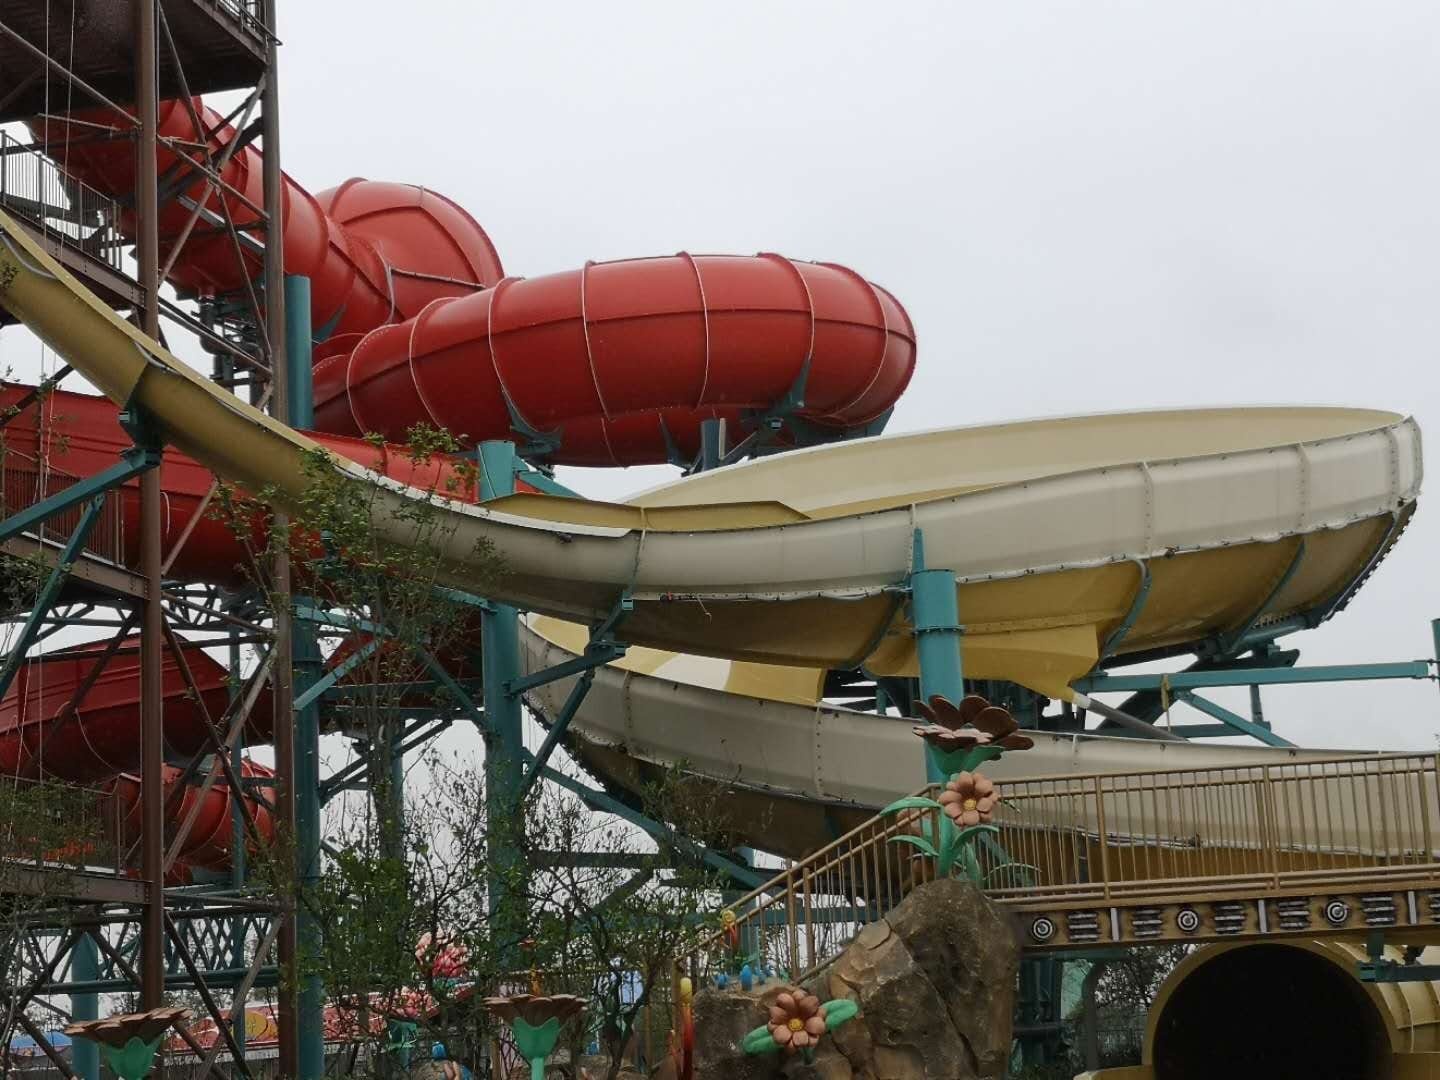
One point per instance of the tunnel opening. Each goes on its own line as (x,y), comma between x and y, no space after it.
(1270,1011)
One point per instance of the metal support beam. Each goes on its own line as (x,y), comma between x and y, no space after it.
(1239,724)
(40,610)
(502,731)
(935,614)
(308,667)
(84,967)
(1195,680)
(600,650)
(608,804)
(598,656)
(152,644)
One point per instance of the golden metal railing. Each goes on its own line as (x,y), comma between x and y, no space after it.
(1205,831)
(1090,838)
(802,917)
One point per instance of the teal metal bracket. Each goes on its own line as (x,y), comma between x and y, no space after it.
(545,483)
(1230,644)
(1237,724)
(530,442)
(608,804)
(50,591)
(1196,680)
(1137,605)
(600,650)
(317,689)
(1378,968)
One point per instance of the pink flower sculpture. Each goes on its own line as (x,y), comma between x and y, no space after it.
(974,722)
(796,1021)
(969,798)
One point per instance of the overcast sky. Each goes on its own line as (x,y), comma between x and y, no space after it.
(1083,205)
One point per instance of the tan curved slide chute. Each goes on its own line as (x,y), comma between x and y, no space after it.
(802,560)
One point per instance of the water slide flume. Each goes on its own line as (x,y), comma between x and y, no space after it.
(1045,534)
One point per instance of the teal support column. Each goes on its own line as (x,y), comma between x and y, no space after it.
(308,667)
(85,967)
(1435,636)
(504,744)
(935,614)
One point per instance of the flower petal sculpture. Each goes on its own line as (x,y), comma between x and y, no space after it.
(974,722)
(797,1022)
(129,1041)
(536,1022)
(969,798)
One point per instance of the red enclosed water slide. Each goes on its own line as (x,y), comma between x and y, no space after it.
(48,444)
(619,363)
(623,360)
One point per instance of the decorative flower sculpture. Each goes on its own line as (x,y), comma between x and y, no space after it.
(974,722)
(969,798)
(797,1022)
(536,1022)
(128,1041)
(958,738)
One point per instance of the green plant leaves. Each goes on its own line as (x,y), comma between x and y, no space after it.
(760,1041)
(920,842)
(839,1011)
(910,802)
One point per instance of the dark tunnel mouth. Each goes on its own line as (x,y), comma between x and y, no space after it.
(1272,1012)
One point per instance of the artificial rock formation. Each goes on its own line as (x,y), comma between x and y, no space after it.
(935,981)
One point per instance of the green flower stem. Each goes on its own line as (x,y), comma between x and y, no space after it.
(133,1060)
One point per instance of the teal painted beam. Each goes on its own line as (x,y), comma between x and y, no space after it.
(1194,680)
(557,730)
(316,689)
(608,804)
(502,729)
(543,482)
(50,591)
(580,665)
(308,669)
(135,462)
(935,614)
(84,968)
(1240,724)
(1203,731)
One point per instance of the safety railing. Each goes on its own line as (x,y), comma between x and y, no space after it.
(801,918)
(1218,830)
(1086,838)
(24,481)
(77,215)
(250,14)
(58,827)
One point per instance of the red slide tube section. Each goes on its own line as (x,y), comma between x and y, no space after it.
(623,360)
(42,735)
(65,436)
(617,355)
(211,840)
(374,252)
(48,445)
